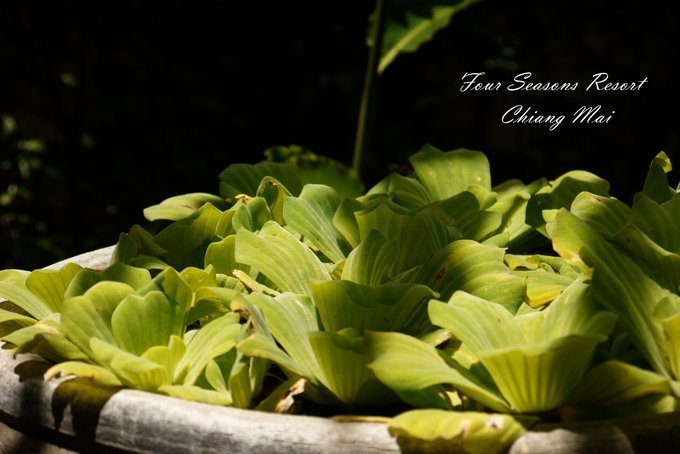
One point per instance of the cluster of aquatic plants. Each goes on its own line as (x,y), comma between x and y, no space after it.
(437,290)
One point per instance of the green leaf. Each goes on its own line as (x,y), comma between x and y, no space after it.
(404,191)
(671,331)
(604,214)
(344,304)
(475,268)
(239,382)
(404,363)
(97,374)
(290,318)
(311,215)
(614,383)
(181,206)
(318,169)
(50,285)
(446,174)
(423,232)
(7,316)
(251,214)
(370,262)
(167,356)
(176,289)
(463,212)
(221,255)
(133,371)
(196,394)
(118,272)
(543,287)
(260,346)
(13,288)
(345,221)
(277,254)
(89,316)
(245,178)
(561,192)
(619,284)
(573,313)
(275,194)
(452,431)
(212,340)
(534,380)
(186,240)
(43,339)
(535,359)
(410,23)
(656,184)
(343,368)
(139,323)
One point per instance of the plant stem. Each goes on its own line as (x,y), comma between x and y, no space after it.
(370,81)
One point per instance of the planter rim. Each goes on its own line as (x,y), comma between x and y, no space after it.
(94,417)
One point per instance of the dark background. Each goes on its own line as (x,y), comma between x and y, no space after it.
(109,107)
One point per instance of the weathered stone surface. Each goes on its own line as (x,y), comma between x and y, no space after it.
(144,422)
(96,260)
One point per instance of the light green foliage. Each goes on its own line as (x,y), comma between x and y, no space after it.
(449,431)
(181,206)
(634,253)
(139,338)
(556,344)
(289,282)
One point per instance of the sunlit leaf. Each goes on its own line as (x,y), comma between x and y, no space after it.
(406,364)
(446,174)
(131,370)
(371,261)
(277,254)
(139,323)
(50,285)
(13,288)
(194,393)
(423,232)
(604,214)
(181,206)
(118,272)
(475,268)
(88,316)
(450,431)
(311,215)
(536,359)
(389,307)
(97,374)
(212,340)
(619,284)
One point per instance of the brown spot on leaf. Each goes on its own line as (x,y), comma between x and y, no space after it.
(439,275)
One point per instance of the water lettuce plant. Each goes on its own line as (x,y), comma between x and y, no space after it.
(435,291)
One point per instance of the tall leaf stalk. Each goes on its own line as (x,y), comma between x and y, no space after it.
(370,82)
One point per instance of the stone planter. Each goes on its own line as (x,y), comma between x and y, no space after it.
(72,414)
